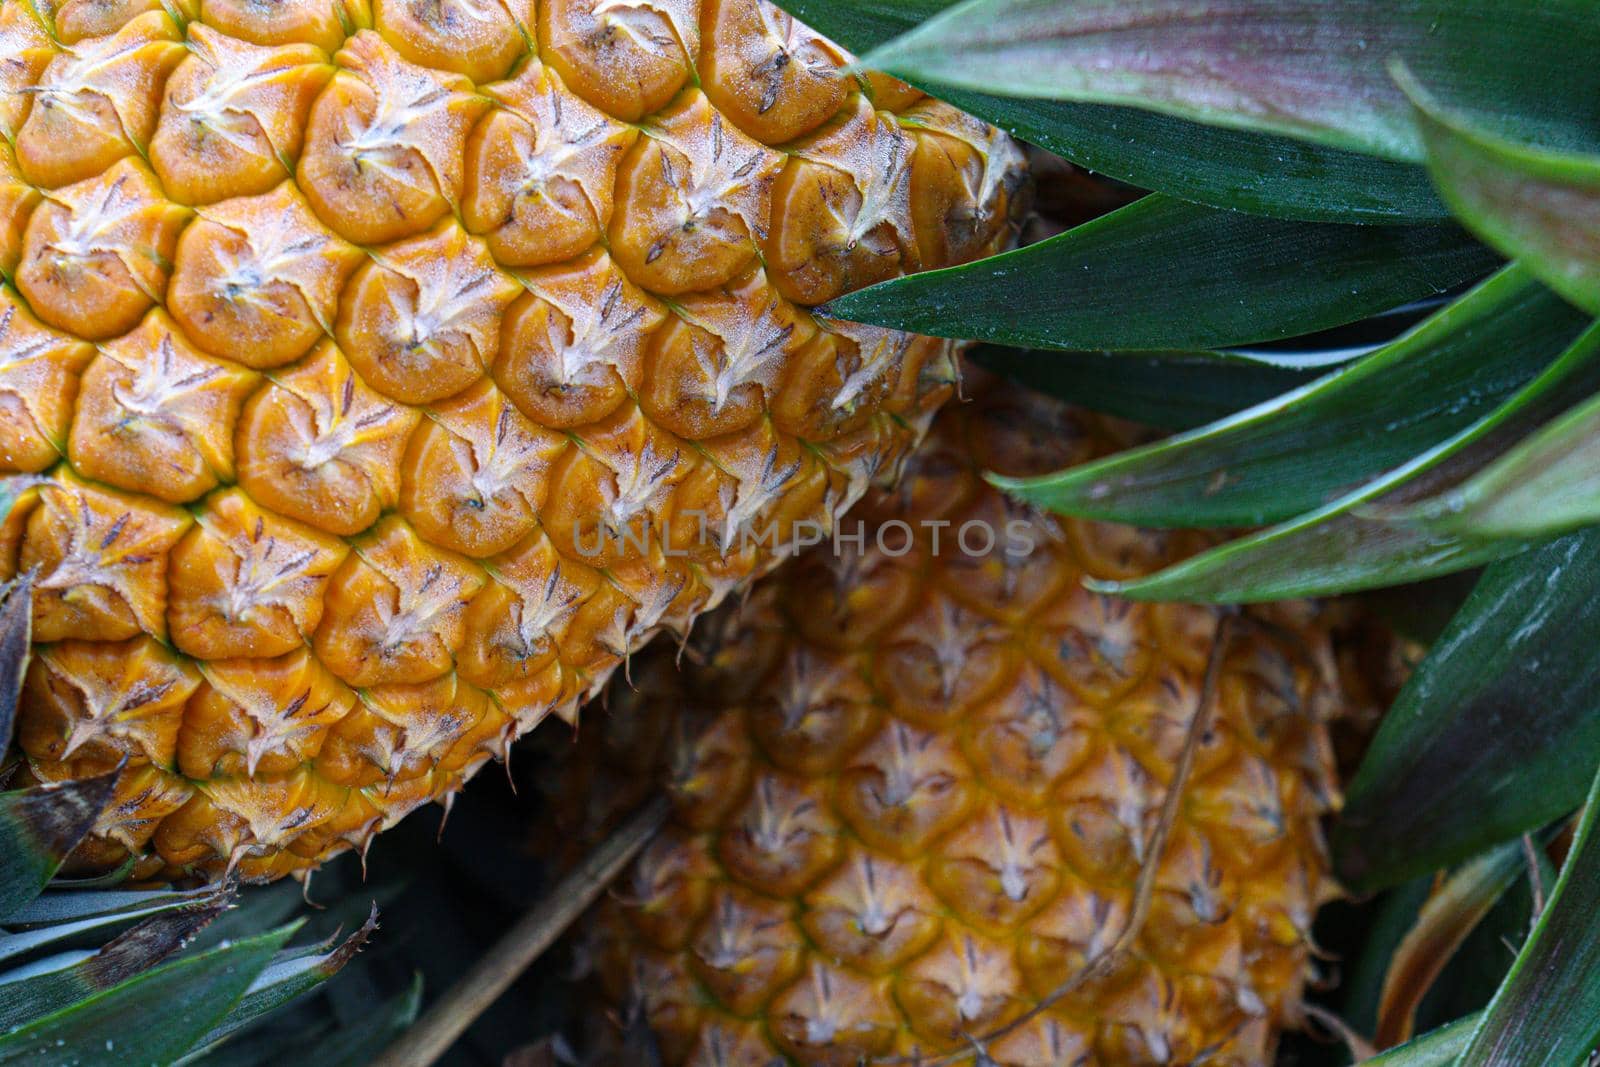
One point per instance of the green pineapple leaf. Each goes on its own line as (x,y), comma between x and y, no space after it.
(72,977)
(1547,1011)
(1463,760)
(1172,390)
(1438,1048)
(1549,484)
(155,1017)
(354,1043)
(1164,274)
(1350,544)
(1243,170)
(38,827)
(59,916)
(1245,63)
(1256,173)
(292,974)
(1537,204)
(860,24)
(1293,452)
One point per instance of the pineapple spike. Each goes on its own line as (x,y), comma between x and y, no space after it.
(447,803)
(304,878)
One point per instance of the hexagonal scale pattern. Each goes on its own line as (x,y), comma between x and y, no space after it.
(916,782)
(334,330)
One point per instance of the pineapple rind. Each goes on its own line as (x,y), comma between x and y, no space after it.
(333,332)
(914,788)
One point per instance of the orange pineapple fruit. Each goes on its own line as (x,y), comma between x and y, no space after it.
(916,789)
(370,369)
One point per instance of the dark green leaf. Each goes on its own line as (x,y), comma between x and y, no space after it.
(130,953)
(1547,485)
(1539,205)
(1173,390)
(289,978)
(1436,1049)
(1547,1012)
(1252,172)
(1350,544)
(1161,274)
(354,1044)
(155,1017)
(16,630)
(66,903)
(863,24)
(1496,732)
(1246,64)
(56,917)
(1294,453)
(38,827)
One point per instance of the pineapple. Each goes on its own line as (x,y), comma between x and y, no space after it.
(375,377)
(79,966)
(919,788)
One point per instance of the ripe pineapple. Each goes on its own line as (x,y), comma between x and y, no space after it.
(375,377)
(77,965)
(915,790)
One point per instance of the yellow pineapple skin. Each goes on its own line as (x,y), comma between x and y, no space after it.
(333,331)
(914,789)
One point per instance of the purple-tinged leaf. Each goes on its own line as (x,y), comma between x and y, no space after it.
(1310,69)
(1354,543)
(1547,485)
(1297,451)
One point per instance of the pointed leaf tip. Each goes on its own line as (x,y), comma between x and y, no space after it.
(1537,204)
(347,949)
(39,827)
(1292,453)
(1224,280)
